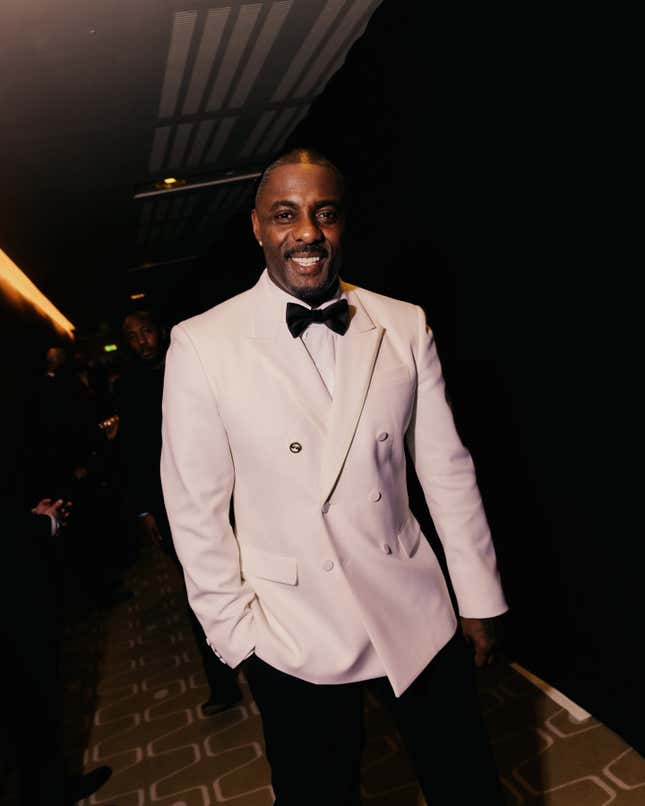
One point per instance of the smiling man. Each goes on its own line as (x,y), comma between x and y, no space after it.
(295,401)
(299,220)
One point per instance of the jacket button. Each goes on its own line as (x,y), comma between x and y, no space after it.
(375,495)
(295,447)
(325,508)
(328,565)
(387,549)
(382,436)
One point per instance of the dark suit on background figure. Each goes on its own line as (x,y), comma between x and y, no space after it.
(67,456)
(58,429)
(31,623)
(139,394)
(30,638)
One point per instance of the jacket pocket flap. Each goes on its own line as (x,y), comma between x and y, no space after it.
(266,565)
(410,535)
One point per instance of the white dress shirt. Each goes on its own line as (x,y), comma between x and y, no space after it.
(319,339)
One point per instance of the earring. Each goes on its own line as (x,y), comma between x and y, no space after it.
(260,242)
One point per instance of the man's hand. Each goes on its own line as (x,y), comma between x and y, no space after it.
(59,510)
(150,528)
(484,636)
(110,427)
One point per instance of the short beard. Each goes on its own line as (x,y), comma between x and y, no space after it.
(153,361)
(316,296)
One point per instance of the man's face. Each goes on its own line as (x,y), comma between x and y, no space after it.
(142,336)
(55,358)
(299,221)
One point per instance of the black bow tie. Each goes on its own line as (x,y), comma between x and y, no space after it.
(335,316)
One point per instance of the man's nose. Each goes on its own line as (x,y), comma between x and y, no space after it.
(308,230)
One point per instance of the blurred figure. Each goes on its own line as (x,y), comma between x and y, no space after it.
(138,398)
(34,522)
(101,485)
(55,359)
(58,429)
(139,393)
(94,380)
(31,639)
(67,458)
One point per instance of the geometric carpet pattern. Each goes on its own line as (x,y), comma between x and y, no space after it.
(134,684)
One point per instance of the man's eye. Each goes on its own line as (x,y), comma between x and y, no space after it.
(285,215)
(328,216)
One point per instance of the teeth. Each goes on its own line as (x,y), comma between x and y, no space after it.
(306,261)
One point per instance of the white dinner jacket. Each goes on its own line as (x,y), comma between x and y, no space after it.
(322,525)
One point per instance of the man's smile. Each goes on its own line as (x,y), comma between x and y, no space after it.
(306,261)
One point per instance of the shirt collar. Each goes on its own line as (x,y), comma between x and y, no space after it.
(285,297)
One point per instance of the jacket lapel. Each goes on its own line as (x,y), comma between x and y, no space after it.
(295,372)
(290,363)
(355,358)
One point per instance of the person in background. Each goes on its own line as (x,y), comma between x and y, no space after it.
(59,430)
(35,525)
(296,399)
(67,456)
(99,490)
(138,394)
(30,673)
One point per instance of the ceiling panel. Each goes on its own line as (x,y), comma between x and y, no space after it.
(229,96)
(102,101)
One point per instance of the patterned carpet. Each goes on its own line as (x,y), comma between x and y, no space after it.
(134,686)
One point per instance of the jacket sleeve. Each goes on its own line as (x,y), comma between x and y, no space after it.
(197,477)
(447,475)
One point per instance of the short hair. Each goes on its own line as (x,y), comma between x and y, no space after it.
(295,156)
(144,313)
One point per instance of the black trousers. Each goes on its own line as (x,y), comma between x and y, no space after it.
(314,734)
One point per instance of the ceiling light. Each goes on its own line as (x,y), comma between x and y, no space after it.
(181,184)
(140,295)
(170,183)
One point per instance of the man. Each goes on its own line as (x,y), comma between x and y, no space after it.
(59,429)
(296,398)
(63,447)
(31,638)
(139,396)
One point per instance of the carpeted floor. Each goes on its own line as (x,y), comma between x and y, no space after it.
(134,686)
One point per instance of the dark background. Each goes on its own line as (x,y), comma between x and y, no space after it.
(476,146)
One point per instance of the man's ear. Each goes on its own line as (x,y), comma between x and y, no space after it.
(256,226)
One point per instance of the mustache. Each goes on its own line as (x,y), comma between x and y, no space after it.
(306,250)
